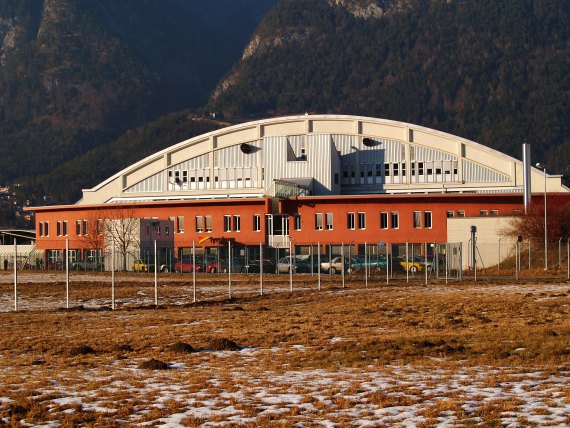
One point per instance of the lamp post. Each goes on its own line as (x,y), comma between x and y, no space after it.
(543,167)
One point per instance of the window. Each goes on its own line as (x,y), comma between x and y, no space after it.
(417,219)
(180,224)
(167,230)
(362,221)
(403,169)
(395,166)
(297,221)
(46,228)
(329,221)
(78,227)
(460,213)
(208,221)
(484,213)
(227,223)
(427,219)
(185,176)
(394,219)
(256,222)
(58,228)
(85,227)
(449,214)
(99,226)
(387,169)
(383,220)
(199,224)
(64,230)
(237,223)
(494,212)
(41,228)
(350,221)
(336,178)
(420,168)
(318,221)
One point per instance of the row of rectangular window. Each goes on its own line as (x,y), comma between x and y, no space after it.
(232,223)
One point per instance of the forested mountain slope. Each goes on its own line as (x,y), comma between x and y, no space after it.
(77,74)
(497,72)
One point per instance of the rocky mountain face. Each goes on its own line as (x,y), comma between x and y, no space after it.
(76,74)
(494,72)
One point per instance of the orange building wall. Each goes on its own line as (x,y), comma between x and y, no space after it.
(405,205)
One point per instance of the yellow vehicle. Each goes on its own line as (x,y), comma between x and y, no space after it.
(140,266)
(413,265)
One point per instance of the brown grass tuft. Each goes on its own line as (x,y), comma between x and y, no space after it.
(153,364)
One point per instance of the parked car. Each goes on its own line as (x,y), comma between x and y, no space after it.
(90,263)
(140,265)
(296,264)
(414,264)
(335,265)
(360,262)
(254,266)
(186,265)
(237,266)
(57,265)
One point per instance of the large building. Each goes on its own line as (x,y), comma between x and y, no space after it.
(302,180)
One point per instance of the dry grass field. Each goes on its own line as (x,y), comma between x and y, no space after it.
(462,354)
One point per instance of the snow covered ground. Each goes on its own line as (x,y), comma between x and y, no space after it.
(246,395)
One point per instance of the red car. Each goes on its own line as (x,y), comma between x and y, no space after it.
(186,265)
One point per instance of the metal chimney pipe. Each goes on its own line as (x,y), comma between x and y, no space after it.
(526,177)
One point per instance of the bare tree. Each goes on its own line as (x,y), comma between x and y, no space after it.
(123,229)
(91,231)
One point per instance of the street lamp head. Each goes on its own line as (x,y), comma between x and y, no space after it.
(540,165)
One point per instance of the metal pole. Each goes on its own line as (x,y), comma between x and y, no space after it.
(319,265)
(387,266)
(365,264)
(568,257)
(194,271)
(407,268)
(342,262)
(446,260)
(517,262)
(426,261)
(67,273)
(290,268)
(155,277)
(260,269)
(15,274)
(113,275)
(545,227)
(229,269)
(460,261)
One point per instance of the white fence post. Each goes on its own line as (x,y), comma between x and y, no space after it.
(260,269)
(319,265)
(229,269)
(15,274)
(155,277)
(194,271)
(67,273)
(113,275)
